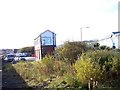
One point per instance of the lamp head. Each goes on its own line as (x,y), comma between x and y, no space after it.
(87,27)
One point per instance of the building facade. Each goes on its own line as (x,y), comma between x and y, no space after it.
(44,44)
(119,42)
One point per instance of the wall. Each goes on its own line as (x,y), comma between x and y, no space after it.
(37,46)
(47,50)
(119,42)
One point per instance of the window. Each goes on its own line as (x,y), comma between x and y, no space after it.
(10,55)
(46,40)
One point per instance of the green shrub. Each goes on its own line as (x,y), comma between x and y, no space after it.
(87,69)
(48,62)
(70,51)
(60,68)
(52,66)
(57,83)
(116,66)
(101,65)
(71,80)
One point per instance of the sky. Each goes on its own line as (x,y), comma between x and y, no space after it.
(21,21)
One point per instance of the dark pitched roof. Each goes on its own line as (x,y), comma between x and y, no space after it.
(115,32)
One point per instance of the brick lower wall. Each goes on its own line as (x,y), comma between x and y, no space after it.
(47,50)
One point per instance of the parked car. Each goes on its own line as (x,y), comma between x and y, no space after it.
(10,57)
(30,58)
(24,58)
(20,57)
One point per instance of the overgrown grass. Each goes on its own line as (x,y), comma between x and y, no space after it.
(53,73)
(37,73)
(32,72)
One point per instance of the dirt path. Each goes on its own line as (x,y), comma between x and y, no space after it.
(11,79)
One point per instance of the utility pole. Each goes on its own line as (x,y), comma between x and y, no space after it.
(81,31)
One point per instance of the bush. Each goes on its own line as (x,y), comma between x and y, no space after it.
(101,65)
(70,51)
(60,68)
(71,80)
(53,66)
(87,69)
(48,62)
(27,50)
(116,65)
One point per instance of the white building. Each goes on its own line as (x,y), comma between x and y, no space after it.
(119,41)
(112,40)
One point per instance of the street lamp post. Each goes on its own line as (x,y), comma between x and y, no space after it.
(81,31)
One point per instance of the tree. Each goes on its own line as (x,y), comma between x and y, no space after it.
(27,50)
(96,45)
(70,51)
